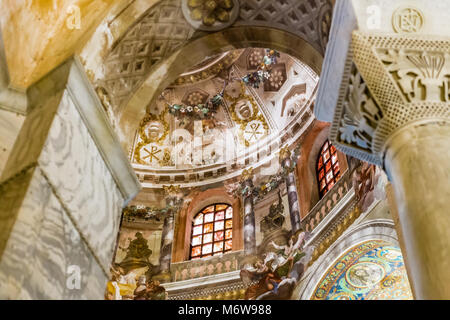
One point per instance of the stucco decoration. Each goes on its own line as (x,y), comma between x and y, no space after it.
(210,15)
(373,270)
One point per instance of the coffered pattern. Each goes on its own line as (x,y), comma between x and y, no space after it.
(163,29)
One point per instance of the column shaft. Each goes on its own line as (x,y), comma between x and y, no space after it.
(249,221)
(417,161)
(291,187)
(166,244)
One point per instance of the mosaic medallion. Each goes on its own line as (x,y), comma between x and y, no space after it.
(364,274)
(373,270)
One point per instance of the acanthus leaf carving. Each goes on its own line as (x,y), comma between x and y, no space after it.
(361,114)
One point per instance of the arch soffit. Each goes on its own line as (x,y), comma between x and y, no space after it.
(304,39)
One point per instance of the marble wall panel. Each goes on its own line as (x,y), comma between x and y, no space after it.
(75,168)
(42,245)
(12,246)
(32,136)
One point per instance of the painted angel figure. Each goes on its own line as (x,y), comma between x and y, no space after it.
(289,254)
(260,279)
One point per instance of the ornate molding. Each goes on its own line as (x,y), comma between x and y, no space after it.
(201,268)
(328,203)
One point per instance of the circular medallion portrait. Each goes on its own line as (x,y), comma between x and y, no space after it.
(365,274)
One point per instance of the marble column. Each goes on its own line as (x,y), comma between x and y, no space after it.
(173,204)
(418,164)
(249,212)
(166,243)
(393,110)
(291,186)
(62,192)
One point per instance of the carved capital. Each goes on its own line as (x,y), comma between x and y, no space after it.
(171,190)
(390,82)
(285,153)
(247,174)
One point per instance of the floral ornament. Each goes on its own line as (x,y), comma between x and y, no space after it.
(200,111)
(263,73)
(136,213)
(207,110)
(210,11)
(272,183)
(276,79)
(195,98)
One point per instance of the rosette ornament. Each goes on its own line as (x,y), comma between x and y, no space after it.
(210,11)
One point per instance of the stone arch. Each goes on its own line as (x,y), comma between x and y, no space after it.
(306,166)
(307,182)
(144,61)
(378,229)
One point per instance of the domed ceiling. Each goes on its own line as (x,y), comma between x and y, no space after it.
(178,135)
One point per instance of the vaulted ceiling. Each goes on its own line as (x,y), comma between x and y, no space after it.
(134,49)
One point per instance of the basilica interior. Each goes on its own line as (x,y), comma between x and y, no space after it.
(224,149)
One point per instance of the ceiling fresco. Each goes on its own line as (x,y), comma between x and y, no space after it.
(247,115)
(373,270)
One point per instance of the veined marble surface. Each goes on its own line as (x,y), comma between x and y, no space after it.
(42,244)
(63,210)
(75,168)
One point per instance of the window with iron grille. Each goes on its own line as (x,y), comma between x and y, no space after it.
(212,231)
(328,169)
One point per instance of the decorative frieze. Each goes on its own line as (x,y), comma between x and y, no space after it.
(330,201)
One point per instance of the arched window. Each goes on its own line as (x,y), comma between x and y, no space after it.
(212,231)
(328,169)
